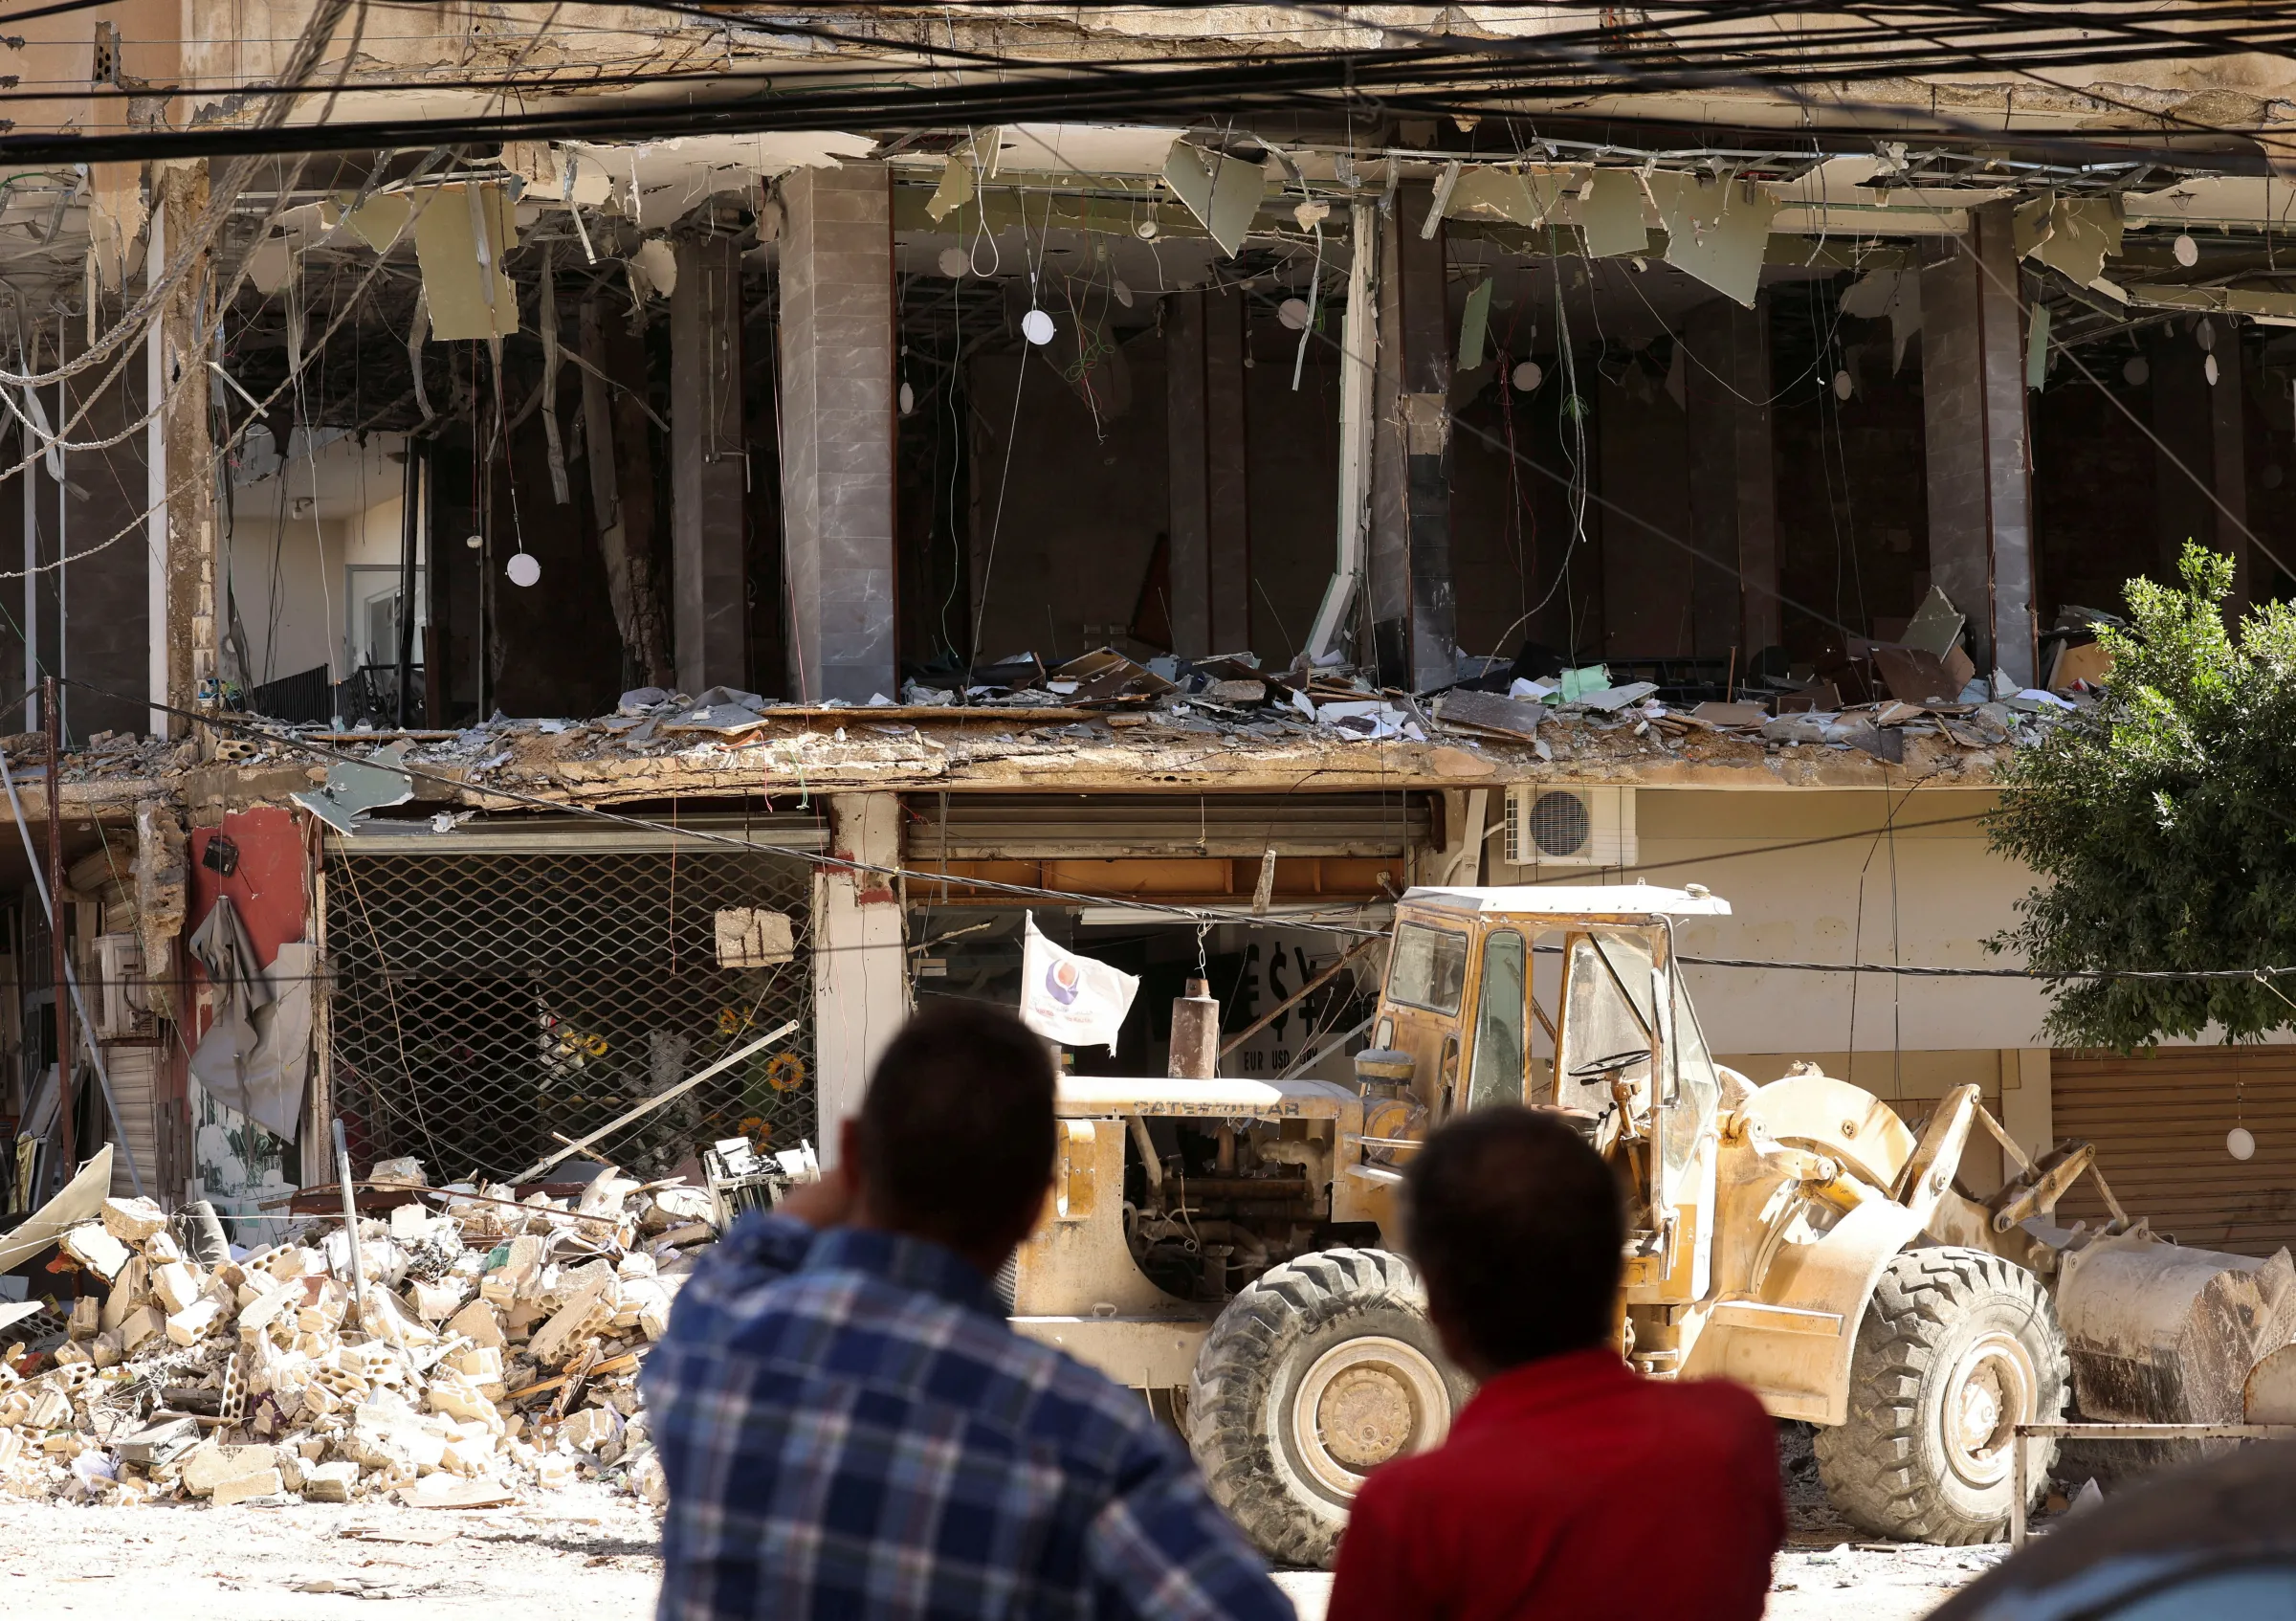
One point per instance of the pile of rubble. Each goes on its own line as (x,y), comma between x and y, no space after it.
(481,1348)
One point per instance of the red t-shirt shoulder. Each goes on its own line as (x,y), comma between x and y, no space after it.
(1559,1478)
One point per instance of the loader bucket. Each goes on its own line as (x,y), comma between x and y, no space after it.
(2160,1334)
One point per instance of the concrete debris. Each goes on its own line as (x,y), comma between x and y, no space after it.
(497,1356)
(1103,695)
(1161,713)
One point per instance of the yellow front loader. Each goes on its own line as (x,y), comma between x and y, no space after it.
(1233,1246)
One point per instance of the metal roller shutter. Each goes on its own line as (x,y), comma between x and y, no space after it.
(134,1072)
(966,827)
(2159,1122)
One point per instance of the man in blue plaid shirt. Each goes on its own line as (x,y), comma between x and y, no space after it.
(850,1429)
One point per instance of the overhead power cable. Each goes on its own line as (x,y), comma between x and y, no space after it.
(1482,72)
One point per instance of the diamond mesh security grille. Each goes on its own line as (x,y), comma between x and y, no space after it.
(486,1000)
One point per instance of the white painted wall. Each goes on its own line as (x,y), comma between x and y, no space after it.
(287,586)
(861,992)
(288,570)
(1811,875)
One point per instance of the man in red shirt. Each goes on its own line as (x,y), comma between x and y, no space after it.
(1570,1485)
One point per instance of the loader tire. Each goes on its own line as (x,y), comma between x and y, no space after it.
(1957,1346)
(1323,1369)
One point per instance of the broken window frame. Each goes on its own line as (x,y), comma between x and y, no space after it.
(1401,955)
(1489,1065)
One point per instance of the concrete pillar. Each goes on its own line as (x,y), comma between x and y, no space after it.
(1733,483)
(2026,1102)
(709,469)
(2202,426)
(1227,477)
(619,454)
(1190,608)
(2181,431)
(1359,346)
(192,629)
(104,597)
(860,970)
(1414,612)
(1209,479)
(157,657)
(1973,384)
(838,345)
(2228,425)
(1649,586)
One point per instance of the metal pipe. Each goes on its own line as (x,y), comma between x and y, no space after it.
(63,505)
(408,534)
(60,964)
(2020,1484)
(1150,1161)
(2001,1135)
(155,487)
(1358,344)
(1297,996)
(653,1103)
(31,564)
(350,1221)
(1307,1062)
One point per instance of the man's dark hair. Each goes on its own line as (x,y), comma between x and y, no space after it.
(1517,1226)
(957,1128)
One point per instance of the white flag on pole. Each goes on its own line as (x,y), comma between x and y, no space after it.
(1069,999)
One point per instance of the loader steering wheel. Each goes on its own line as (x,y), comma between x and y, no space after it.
(1598,1068)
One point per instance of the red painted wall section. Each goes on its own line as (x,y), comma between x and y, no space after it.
(270,889)
(271,886)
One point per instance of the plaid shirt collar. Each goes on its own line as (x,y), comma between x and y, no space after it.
(904,1261)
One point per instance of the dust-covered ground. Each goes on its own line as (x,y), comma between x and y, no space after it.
(587,1555)
(584,1556)
(1830,1568)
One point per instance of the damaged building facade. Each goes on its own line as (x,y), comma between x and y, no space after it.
(588,595)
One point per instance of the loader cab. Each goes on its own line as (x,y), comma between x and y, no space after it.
(1564,999)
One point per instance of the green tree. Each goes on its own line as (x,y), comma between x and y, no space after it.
(2162,824)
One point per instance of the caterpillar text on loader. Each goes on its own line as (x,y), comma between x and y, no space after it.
(1232,1247)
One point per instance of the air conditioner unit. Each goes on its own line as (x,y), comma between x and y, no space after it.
(1570,827)
(123,1004)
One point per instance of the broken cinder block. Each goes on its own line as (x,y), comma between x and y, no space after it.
(480,1323)
(95,1249)
(587,1429)
(131,1221)
(211,1463)
(192,1325)
(435,1303)
(142,1323)
(178,1284)
(330,1482)
(129,1290)
(257,1317)
(238,1487)
(588,1309)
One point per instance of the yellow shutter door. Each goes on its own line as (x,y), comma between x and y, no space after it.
(2159,1122)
